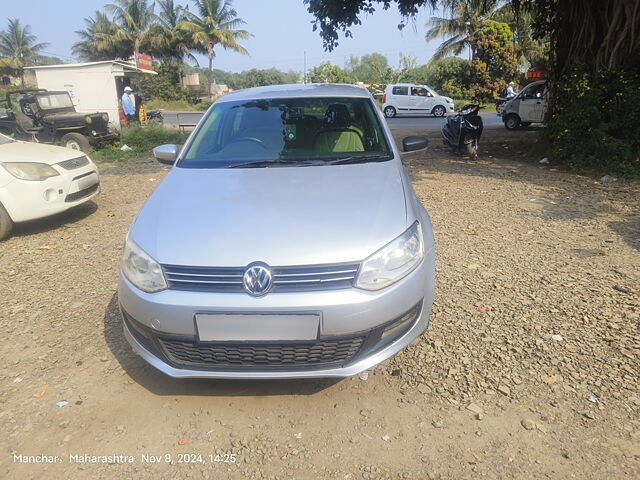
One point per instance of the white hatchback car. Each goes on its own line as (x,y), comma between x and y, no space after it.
(410,99)
(38,180)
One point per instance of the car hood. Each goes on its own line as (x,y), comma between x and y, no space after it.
(36,152)
(280,216)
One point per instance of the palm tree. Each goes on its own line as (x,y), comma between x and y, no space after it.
(216,24)
(466,19)
(98,40)
(18,49)
(133,18)
(168,41)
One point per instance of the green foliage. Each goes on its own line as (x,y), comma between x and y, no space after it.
(260,78)
(449,76)
(596,122)
(329,73)
(18,49)
(494,63)
(141,139)
(164,86)
(372,69)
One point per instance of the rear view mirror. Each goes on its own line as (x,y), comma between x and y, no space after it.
(166,154)
(413,143)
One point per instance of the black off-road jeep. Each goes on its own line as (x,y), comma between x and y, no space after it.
(50,117)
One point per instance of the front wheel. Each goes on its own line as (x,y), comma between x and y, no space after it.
(471,149)
(512,122)
(6,224)
(389,112)
(76,141)
(439,111)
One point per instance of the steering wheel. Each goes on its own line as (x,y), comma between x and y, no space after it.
(250,139)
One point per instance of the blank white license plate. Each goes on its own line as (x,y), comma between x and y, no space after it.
(254,327)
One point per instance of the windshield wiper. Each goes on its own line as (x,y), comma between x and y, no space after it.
(269,163)
(359,159)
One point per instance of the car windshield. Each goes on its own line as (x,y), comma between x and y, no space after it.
(276,132)
(54,100)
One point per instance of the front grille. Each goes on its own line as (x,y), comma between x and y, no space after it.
(74,163)
(72,197)
(285,279)
(266,355)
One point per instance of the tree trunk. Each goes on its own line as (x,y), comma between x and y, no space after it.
(210,73)
(210,79)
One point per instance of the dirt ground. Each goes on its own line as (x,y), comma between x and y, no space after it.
(529,368)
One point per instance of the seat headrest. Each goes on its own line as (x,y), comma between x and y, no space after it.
(337,116)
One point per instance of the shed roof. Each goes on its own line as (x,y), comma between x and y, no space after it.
(125,65)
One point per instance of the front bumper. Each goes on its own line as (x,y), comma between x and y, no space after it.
(353,320)
(97,140)
(30,200)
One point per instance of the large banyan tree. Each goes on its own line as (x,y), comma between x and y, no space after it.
(594,70)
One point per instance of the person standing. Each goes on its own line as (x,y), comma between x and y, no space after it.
(129,104)
(510,93)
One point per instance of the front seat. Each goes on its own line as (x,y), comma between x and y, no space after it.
(338,134)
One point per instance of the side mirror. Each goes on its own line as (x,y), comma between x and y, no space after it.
(166,154)
(413,143)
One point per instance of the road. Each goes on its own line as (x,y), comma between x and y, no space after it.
(491,120)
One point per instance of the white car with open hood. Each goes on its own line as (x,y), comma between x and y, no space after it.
(38,180)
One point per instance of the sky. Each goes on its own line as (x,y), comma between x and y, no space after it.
(282,32)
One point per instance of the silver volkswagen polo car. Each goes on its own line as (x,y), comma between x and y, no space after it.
(285,242)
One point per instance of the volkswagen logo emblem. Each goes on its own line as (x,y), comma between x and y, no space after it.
(257,279)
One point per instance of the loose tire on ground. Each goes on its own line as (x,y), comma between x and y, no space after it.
(76,141)
(389,112)
(512,122)
(6,224)
(439,111)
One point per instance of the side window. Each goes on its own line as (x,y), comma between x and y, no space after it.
(400,91)
(419,92)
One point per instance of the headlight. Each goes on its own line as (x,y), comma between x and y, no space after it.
(141,270)
(30,171)
(105,117)
(393,261)
(88,120)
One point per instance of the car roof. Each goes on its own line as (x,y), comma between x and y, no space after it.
(312,90)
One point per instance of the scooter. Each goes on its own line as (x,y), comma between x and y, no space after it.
(462,132)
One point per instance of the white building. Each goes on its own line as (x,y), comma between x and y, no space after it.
(93,86)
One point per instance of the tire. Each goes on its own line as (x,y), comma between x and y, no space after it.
(76,141)
(471,149)
(6,224)
(512,122)
(439,111)
(389,112)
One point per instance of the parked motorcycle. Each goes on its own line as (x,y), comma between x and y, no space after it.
(462,132)
(500,103)
(155,116)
